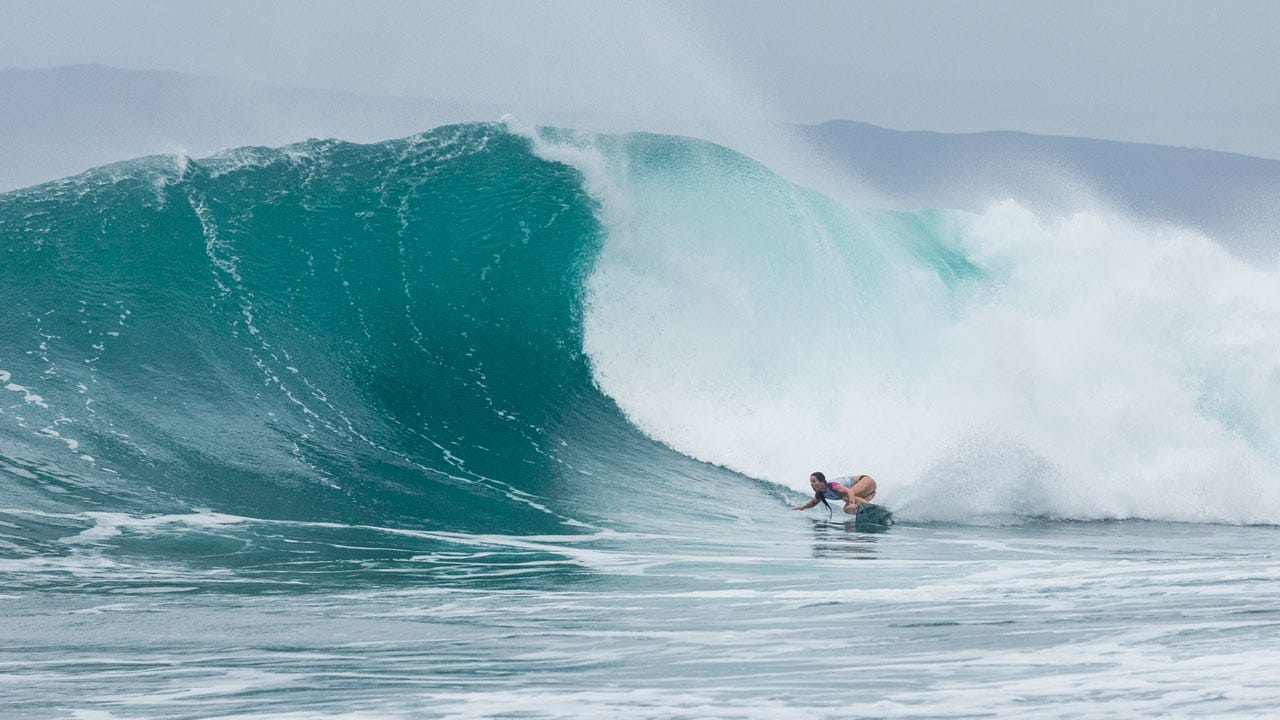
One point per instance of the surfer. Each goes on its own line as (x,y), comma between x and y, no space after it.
(852,490)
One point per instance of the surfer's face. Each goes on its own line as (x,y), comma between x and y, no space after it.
(816,484)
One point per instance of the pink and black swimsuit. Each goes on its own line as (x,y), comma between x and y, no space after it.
(831,492)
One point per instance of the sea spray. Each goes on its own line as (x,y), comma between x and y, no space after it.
(990,366)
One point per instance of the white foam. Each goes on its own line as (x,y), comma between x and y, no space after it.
(27,396)
(107,524)
(50,432)
(1097,368)
(613,703)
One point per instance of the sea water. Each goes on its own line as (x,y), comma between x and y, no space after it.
(503,422)
(785,616)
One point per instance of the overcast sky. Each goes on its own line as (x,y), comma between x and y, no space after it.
(1182,73)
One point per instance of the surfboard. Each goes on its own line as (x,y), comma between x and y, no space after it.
(871,514)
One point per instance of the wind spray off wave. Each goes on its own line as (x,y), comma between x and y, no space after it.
(988,366)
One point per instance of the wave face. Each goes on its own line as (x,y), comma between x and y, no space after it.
(329,332)
(482,327)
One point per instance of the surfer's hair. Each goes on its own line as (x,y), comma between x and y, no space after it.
(821,496)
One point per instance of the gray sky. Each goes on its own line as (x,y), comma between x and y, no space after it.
(1180,73)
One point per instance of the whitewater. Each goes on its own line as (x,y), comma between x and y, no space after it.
(506,421)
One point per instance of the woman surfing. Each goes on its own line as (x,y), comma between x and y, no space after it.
(854,491)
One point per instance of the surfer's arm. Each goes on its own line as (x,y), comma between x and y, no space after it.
(849,497)
(812,501)
(850,500)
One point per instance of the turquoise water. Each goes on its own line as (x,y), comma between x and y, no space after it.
(764,615)
(502,422)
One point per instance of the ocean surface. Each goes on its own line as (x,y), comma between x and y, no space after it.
(505,422)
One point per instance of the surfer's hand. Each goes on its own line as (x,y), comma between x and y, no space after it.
(851,508)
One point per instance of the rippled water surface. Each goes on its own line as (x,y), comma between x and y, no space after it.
(783,615)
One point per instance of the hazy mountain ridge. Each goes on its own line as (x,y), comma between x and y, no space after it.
(1226,195)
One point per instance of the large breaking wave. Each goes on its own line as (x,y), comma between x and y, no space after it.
(982,366)
(484,327)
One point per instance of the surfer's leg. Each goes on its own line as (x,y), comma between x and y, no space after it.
(864,488)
